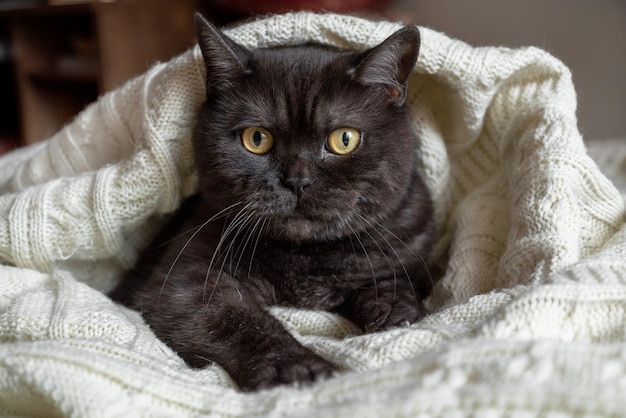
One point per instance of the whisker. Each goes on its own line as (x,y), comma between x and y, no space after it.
(240,218)
(395,277)
(242,247)
(412,250)
(229,254)
(374,227)
(198,229)
(364,252)
(256,243)
(215,217)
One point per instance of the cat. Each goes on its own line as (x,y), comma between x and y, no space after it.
(309,196)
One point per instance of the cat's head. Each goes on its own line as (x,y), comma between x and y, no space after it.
(314,143)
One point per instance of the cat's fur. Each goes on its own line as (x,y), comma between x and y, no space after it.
(297,226)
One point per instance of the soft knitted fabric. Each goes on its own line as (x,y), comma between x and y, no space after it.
(529,319)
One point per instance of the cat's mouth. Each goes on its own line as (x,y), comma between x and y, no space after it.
(307,218)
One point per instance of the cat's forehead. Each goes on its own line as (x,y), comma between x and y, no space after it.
(303,66)
(303,58)
(304,85)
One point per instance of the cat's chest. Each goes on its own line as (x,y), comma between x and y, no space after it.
(310,276)
(332,264)
(315,275)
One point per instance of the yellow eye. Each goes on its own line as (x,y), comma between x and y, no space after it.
(257,140)
(343,141)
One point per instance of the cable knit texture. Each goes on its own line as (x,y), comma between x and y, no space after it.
(529,319)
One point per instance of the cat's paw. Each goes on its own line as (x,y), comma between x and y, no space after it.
(376,312)
(300,366)
(380,315)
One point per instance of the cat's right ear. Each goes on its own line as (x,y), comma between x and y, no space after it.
(389,64)
(225,60)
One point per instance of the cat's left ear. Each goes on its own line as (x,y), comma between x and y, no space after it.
(225,60)
(389,64)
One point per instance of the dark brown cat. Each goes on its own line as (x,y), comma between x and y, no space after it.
(309,197)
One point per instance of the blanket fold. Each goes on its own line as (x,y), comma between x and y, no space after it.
(529,318)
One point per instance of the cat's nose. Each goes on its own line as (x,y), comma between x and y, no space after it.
(297,184)
(297,175)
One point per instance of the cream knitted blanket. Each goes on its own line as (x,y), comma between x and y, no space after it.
(530,317)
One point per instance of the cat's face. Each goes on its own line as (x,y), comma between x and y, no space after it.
(313,143)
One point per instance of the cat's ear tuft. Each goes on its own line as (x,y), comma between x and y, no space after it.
(225,60)
(389,64)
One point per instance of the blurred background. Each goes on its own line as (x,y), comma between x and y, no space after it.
(56,56)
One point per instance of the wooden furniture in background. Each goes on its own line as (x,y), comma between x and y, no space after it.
(67,55)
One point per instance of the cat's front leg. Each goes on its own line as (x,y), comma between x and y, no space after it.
(235,331)
(386,304)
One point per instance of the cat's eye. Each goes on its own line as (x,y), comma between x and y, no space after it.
(257,140)
(343,141)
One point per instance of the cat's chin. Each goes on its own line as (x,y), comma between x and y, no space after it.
(301,230)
